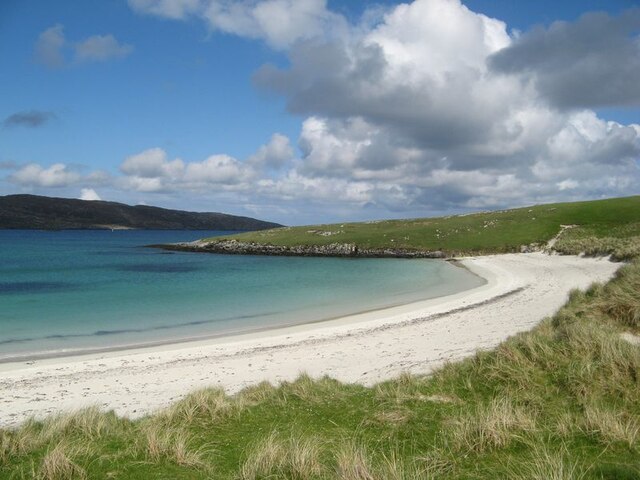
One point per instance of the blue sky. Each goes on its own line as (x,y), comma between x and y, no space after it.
(169,103)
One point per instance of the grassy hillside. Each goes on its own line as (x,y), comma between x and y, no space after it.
(560,402)
(492,232)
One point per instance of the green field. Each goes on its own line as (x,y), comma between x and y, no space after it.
(490,232)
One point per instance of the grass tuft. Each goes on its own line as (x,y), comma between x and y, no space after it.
(208,405)
(89,422)
(610,426)
(57,465)
(546,464)
(274,456)
(172,445)
(620,299)
(353,463)
(491,426)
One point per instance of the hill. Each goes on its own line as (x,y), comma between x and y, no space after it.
(48,213)
(613,222)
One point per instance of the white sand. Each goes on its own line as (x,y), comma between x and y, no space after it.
(521,290)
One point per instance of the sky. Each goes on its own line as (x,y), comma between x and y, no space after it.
(315,111)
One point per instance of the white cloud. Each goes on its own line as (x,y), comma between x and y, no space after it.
(49,46)
(567,184)
(34,175)
(277,153)
(152,171)
(216,170)
(404,112)
(280,23)
(176,9)
(100,48)
(152,163)
(89,194)
(410,106)
(435,38)
(144,184)
(99,178)
(295,187)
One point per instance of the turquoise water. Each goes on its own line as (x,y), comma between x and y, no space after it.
(70,291)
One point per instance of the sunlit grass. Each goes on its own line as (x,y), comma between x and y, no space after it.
(599,227)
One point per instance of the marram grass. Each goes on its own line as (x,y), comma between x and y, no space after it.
(559,402)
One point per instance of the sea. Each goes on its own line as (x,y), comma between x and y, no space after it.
(78,291)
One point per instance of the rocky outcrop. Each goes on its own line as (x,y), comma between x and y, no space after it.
(235,247)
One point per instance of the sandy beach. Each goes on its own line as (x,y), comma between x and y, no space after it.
(521,290)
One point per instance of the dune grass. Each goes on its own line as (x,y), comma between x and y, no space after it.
(579,241)
(559,402)
(615,223)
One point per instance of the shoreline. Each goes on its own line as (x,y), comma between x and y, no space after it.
(232,335)
(367,347)
(352,319)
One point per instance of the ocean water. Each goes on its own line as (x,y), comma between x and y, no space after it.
(73,291)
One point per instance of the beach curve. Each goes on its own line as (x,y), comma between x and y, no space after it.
(369,347)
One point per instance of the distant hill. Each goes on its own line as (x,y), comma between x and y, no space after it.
(47,213)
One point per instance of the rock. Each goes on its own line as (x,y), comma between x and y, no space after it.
(532,247)
(234,247)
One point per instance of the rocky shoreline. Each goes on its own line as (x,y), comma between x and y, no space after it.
(234,247)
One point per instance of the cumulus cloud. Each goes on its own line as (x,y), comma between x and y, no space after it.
(152,163)
(153,171)
(52,44)
(415,105)
(89,194)
(221,170)
(414,73)
(28,118)
(49,46)
(421,107)
(34,175)
(275,154)
(593,62)
(100,48)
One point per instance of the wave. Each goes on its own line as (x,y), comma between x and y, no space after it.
(101,333)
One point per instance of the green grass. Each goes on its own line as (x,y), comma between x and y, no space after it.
(559,402)
(492,232)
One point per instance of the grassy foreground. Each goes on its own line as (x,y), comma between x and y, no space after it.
(492,232)
(559,402)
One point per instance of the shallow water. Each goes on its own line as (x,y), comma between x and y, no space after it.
(70,291)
